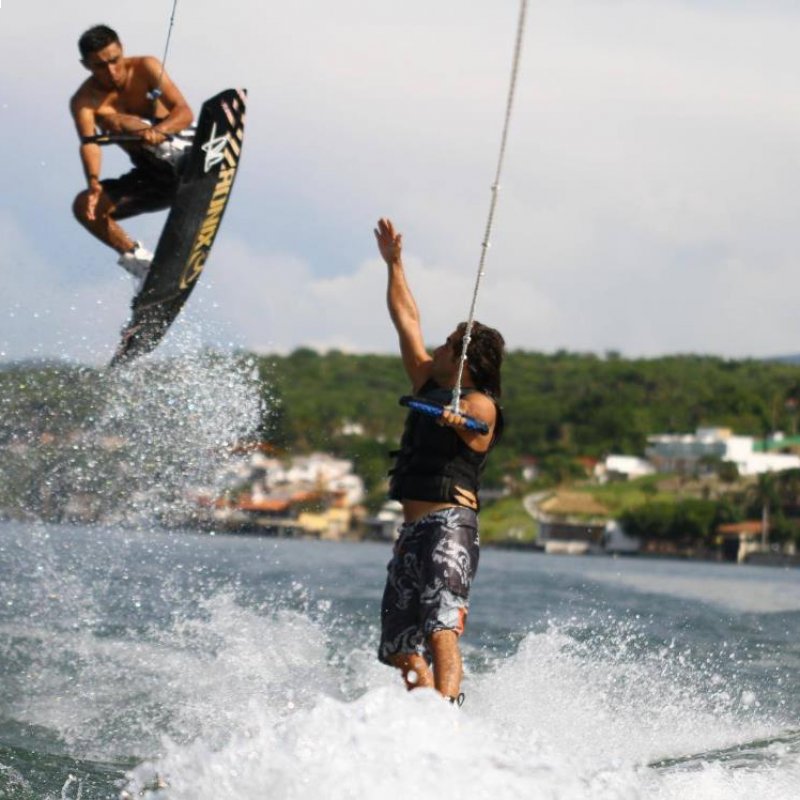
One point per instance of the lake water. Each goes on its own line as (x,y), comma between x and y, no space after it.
(227,667)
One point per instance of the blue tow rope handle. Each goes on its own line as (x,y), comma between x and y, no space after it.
(435,410)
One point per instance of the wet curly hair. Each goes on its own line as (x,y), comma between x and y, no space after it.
(96,38)
(484,356)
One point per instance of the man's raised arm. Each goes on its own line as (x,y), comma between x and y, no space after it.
(402,306)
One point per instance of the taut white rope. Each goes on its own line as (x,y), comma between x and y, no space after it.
(156,93)
(495,189)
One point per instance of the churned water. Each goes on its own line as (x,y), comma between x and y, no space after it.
(138,659)
(235,667)
(127,445)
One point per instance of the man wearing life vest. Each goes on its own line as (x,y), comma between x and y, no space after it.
(436,478)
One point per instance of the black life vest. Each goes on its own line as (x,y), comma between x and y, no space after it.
(433,461)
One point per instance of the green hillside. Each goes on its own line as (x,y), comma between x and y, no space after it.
(558,407)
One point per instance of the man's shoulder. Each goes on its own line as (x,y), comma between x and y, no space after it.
(480,405)
(481,399)
(143,65)
(84,98)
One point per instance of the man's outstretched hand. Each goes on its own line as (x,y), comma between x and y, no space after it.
(390,242)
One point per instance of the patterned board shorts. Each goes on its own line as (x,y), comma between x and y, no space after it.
(427,589)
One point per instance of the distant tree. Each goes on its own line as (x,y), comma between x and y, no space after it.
(690,521)
(727,472)
(726,511)
(558,468)
(649,521)
(789,490)
(782,530)
(764,497)
(693,520)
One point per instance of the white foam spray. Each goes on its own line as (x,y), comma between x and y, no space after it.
(558,719)
(130,445)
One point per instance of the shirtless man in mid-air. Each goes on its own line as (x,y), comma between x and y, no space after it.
(127,95)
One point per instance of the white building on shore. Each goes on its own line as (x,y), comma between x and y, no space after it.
(682,452)
(615,467)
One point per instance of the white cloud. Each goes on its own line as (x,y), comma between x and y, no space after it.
(346,311)
(648,199)
(44,315)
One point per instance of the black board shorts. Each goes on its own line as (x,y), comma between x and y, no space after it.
(147,187)
(429,577)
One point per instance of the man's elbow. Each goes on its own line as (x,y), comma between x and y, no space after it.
(185,114)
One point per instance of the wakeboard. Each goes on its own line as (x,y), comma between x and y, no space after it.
(192,224)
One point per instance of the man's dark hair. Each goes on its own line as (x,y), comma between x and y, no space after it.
(96,38)
(484,356)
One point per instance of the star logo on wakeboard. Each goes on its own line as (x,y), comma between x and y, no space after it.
(214,149)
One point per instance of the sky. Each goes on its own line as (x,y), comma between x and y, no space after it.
(649,197)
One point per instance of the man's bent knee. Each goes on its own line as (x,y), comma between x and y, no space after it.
(80,205)
(80,208)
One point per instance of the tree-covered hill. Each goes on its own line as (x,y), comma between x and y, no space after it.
(561,404)
(558,406)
